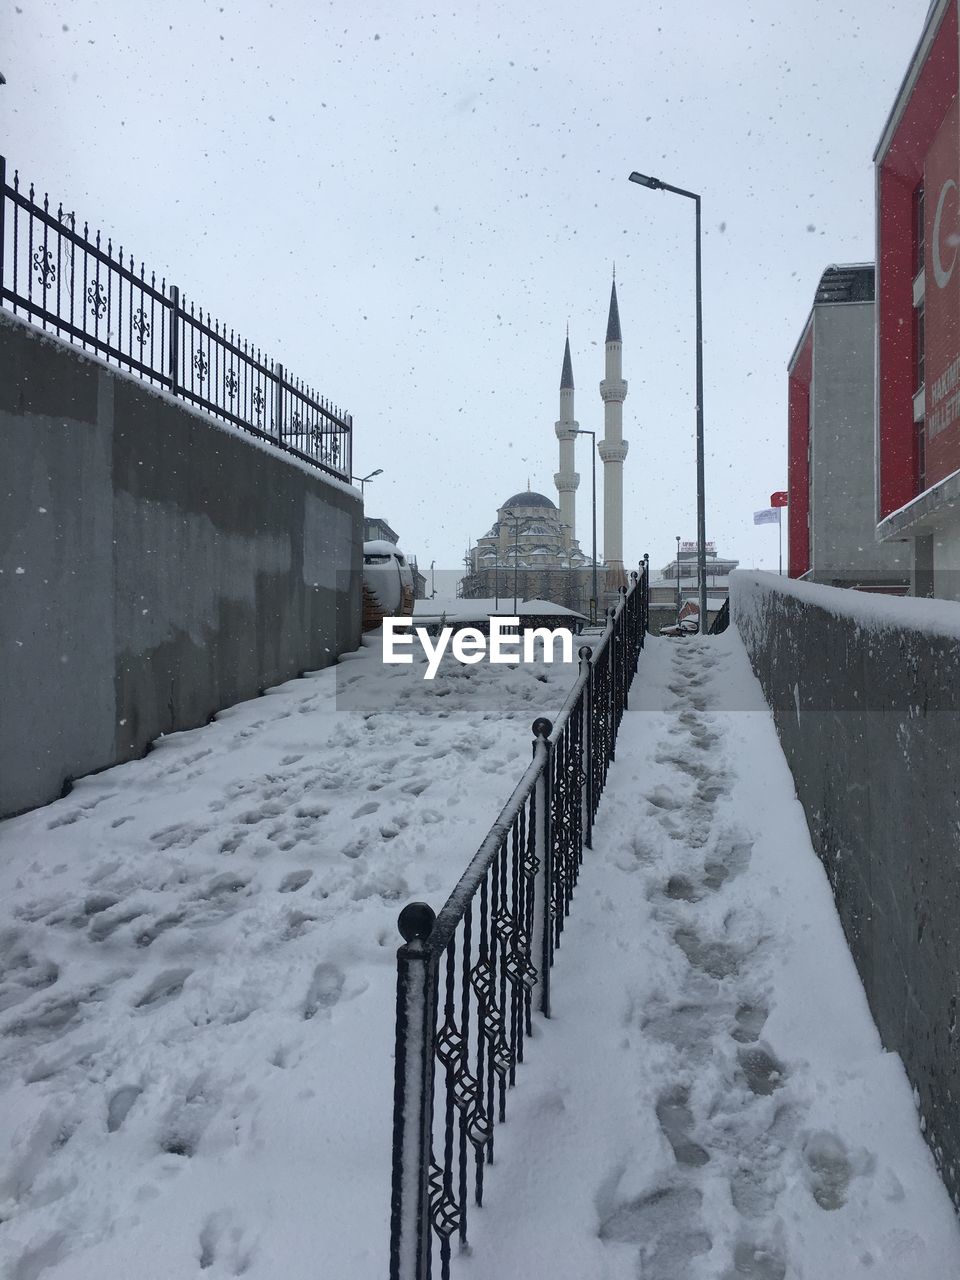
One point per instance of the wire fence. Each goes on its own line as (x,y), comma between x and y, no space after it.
(67,281)
(466,978)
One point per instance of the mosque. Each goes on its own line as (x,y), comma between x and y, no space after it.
(532,550)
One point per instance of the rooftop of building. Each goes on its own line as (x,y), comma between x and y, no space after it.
(852,282)
(529,499)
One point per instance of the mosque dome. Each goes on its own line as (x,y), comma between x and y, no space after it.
(529,499)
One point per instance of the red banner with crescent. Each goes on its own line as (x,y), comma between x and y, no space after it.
(941,300)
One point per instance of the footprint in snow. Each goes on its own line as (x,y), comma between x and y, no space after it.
(666,1225)
(689,1026)
(755,1261)
(104,924)
(370,807)
(761,1069)
(295,880)
(180,836)
(149,935)
(223,1242)
(676,1121)
(661,798)
(749,1020)
(681,889)
(828,1169)
(325,990)
(65,820)
(716,959)
(416,786)
(164,987)
(119,1105)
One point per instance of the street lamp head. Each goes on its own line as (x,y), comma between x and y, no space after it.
(644,181)
(378,472)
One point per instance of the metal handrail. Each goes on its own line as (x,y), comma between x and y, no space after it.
(66,282)
(466,977)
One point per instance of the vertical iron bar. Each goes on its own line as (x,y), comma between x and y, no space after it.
(110,294)
(465,1034)
(173,352)
(543,851)
(3,221)
(481,1010)
(278,374)
(46,212)
(502,945)
(410,1238)
(86,276)
(30,255)
(59,261)
(73,261)
(586,667)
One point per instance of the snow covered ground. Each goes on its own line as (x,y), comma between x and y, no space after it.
(198,975)
(198,980)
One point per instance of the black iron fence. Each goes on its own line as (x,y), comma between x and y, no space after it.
(722,619)
(73,285)
(466,978)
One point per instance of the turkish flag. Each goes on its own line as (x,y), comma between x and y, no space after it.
(779,499)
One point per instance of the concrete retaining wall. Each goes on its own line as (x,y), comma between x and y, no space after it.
(865,692)
(154,567)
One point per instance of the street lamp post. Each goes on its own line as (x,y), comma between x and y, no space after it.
(362,480)
(679,606)
(581,431)
(655,184)
(516,551)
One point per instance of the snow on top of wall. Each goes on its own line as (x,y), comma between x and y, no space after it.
(868,609)
(82,355)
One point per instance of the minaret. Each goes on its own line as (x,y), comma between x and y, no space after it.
(613,449)
(566,479)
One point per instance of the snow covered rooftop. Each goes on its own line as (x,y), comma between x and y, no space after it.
(464,610)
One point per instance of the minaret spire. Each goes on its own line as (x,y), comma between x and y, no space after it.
(566,479)
(613,448)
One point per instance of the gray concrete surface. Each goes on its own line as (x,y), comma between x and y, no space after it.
(843,521)
(154,568)
(869,721)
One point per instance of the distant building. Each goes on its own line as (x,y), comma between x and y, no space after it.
(663,587)
(718,567)
(376,529)
(529,551)
(831,516)
(918,312)
(538,537)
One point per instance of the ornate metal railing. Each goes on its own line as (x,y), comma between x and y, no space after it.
(466,978)
(77,287)
(722,620)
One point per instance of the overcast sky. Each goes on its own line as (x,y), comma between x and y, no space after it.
(407,206)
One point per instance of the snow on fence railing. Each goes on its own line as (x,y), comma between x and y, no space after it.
(466,977)
(81,290)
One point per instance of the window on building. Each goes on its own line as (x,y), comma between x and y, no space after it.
(918,245)
(918,348)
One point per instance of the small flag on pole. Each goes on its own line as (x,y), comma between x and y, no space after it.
(770,516)
(779,499)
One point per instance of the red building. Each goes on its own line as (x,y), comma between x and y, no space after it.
(918,311)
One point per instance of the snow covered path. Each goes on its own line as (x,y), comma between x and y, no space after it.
(710,1100)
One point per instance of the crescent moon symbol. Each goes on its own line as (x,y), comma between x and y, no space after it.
(940,274)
